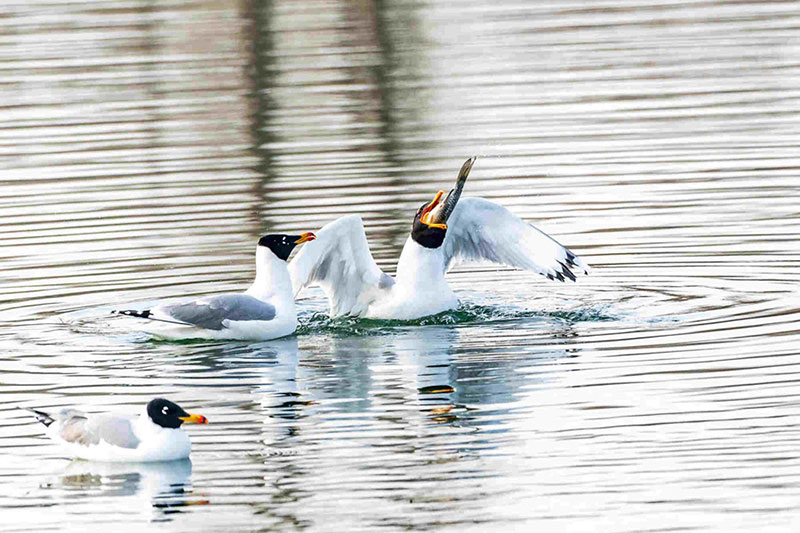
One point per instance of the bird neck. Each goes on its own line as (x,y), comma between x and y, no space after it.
(421,267)
(144,425)
(272,277)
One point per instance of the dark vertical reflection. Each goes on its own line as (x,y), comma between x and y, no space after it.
(346,127)
(381,97)
(259,72)
(397,31)
(149,46)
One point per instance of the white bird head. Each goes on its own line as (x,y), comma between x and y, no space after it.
(430,223)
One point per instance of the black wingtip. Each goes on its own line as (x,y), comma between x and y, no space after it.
(571,259)
(132,312)
(567,272)
(41,416)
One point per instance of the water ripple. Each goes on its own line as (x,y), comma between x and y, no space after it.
(145,146)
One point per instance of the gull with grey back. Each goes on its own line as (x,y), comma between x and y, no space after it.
(154,435)
(264,311)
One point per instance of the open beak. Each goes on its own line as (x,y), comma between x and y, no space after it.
(436,213)
(194,419)
(305,237)
(429,212)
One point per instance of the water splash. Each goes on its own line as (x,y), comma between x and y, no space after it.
(319,322)
(465,314)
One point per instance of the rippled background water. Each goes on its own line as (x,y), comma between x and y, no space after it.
(144,145)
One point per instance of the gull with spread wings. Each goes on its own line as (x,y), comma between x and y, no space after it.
(446,230)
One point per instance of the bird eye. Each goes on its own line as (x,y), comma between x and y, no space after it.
(165,410)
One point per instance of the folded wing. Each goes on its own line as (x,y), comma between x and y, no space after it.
(480,230)
(216,312)
(78,428)
(339,261)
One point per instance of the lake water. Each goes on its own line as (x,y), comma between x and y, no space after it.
(145,145)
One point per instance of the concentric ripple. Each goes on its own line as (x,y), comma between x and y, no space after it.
(146,146)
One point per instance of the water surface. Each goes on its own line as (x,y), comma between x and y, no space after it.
(145,145)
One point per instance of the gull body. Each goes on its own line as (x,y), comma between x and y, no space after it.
(446,231)
(420,288)
(154,435)
(266,310)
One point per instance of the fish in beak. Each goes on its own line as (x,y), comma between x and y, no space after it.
(436,213)
(432,212)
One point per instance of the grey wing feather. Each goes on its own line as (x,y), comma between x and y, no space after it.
(211,313)
(115,430)
(480,230)
(78,428)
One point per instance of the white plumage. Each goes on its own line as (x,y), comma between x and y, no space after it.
(264,311)
(480,230)
(341,264)
(154,435)
(473,229)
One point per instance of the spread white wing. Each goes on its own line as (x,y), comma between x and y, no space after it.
(339,261)
(480,230)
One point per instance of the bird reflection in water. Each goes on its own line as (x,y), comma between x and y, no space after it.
(431,397)
(164,487)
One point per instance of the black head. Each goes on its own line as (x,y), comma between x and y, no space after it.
(165,413)
(425,234)
(430,223)
(282,244)
(168,414)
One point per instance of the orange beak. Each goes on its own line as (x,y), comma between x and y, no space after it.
(305,237)
(426,213)
(194,419)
